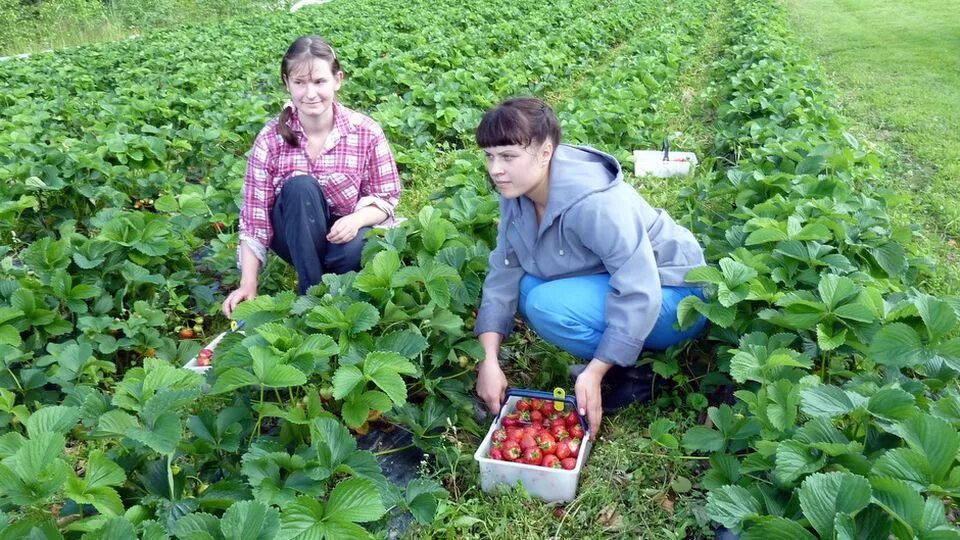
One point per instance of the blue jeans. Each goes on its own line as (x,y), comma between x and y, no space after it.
(301,220)
(569,313)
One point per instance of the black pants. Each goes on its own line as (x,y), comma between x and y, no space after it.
(301,220)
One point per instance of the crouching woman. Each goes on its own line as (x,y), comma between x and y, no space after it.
(318,177)
(590,265)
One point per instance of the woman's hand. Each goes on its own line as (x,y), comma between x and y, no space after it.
(587,389)
(345,229)
(244,292)
(491,384)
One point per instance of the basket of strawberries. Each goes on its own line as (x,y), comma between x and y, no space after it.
(539,440)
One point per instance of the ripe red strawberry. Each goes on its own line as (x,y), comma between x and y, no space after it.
(551,461)
(537,404)
(559,432)
(537,426)
(495,453)
(536,416)
(576,431)
(530,430)
(499,436)
(562,450)
(527,441)
(511,419)
(523,404)
(514,433)
(524,417)
(204,357)
(546,442)
(511,450)
(572,419)
(569,463)
(187,333)
(532,456)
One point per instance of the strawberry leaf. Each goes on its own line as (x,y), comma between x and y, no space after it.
(250,520)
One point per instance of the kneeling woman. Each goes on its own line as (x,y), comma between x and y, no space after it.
(318,177)
(591,266)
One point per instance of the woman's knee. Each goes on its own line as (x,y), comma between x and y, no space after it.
(666,332)
(299,187)
(536,305)
(571,303)
(546,316)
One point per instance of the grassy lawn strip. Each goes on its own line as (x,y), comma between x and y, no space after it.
(32,27)
(898,78)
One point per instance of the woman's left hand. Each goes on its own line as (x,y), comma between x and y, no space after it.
(345,229)
(587,389)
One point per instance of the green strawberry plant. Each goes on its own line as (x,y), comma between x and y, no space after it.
(844,423)
(120,211)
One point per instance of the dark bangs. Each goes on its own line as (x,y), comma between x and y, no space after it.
(522,121)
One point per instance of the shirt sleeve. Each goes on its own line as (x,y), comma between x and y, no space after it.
(633,304)
(256,230)
(501,287)
(381,186)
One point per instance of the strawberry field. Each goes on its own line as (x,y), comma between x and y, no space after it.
(823,402)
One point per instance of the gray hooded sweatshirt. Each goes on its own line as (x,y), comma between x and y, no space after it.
(594,223)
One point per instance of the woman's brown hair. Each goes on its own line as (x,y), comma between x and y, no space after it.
(520,120)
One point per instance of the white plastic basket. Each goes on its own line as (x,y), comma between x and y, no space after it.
(192,364)
(551,485)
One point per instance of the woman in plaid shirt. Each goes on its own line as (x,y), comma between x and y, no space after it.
(318,178)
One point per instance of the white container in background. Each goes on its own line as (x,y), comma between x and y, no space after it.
(651,163)
(551,485)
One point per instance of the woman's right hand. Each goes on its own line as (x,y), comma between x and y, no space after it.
(244,292)
(491,384)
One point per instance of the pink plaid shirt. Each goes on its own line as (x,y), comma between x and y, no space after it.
(355,169)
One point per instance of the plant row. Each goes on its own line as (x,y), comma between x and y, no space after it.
(845,421)
(130,445)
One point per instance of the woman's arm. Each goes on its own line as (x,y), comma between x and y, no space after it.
(587,390)
(256,230)
(249,270)
(345,229)
(617,234)
(491,382)
(498,304)
(380,186)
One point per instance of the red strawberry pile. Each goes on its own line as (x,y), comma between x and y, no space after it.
(537,434)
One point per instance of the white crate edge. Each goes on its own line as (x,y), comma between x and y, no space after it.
(551,485)
(192,365)
(651,163)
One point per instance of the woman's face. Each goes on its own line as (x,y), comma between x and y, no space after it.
(520,170)
(313,87)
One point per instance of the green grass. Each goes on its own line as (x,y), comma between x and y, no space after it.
(632,488)
(59,24)
(897,74)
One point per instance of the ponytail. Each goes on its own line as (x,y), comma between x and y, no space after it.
(283,127)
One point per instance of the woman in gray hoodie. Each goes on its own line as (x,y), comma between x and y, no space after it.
(589,264)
